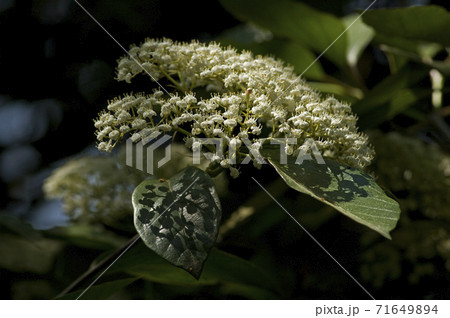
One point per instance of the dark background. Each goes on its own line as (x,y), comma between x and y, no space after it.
(57,71)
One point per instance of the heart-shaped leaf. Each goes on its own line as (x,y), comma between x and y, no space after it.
(179,218)
(350,191)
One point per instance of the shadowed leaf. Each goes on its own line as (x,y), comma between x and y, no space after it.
(374,108)
(350,191)
(425,23)
(17,226)
(100,291)
(295,21)
(179,218)
(359,36)
(220,268)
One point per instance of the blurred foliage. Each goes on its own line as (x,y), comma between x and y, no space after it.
(408,165)
(392,64)
(96,189)
(19,254)
(419,175)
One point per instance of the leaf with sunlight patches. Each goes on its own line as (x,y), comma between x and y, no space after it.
(179,218)
(350,191)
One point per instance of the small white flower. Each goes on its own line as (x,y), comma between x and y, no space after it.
(230,122)
(164,127)
(98,123)
(114,134)
(149,113)
(124,129)
(102,146)
(243,134)
(196,146)
(235,143)
(138,123)
(289,149)
(123,115)
(225,163)
(135,137)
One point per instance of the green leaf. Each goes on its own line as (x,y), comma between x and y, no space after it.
(100,291)
(91,236)
(296,21)
(15,225)
(414,49)
(22,255)
(425,23)
(400,102)
(388,88)
(350,191)
(340,91)
(249,292)
(374,108)
(225,267)
(179,218)
(219,268)
(359,36)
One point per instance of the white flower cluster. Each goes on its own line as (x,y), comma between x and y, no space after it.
(247,97)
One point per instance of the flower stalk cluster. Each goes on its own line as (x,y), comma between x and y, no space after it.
(220,93)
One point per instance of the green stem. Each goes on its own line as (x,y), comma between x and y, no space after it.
(182,81)
(214,169)
(348,89)
(183,131)
(174,82)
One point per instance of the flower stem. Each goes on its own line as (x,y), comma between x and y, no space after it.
(214,169)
